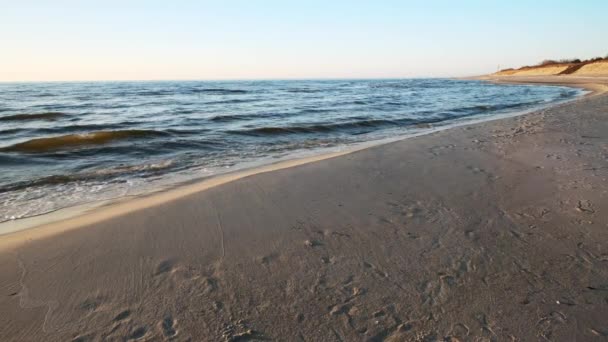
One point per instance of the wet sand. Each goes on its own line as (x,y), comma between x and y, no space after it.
(494,231)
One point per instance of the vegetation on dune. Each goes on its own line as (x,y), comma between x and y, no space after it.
(561,61)
(570,61)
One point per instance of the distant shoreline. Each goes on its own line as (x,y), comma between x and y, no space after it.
(597,85)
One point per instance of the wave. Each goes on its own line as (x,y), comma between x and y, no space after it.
(84,127)
(362,125)
(231,101)
(230,118)
(356,127)
(12,131)
(483,108)
(391,85)
(245,117)
(59,107)
(38,116)
(155,93)
(340,104)
(16,160)
(41,145)
(68,129)
(314,111)
(168,92)
(303,90)
(185,132)
(96,175)
(219,91)
(224,91)
(319,128)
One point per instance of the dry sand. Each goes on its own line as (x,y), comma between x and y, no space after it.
(595,69)
(490,232)
(539,71)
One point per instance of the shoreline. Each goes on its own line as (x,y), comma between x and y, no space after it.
(597,85)
(488,231)
(68,218)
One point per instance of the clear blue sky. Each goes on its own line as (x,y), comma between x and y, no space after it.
(223,39)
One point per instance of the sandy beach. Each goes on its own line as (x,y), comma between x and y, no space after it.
(495,231)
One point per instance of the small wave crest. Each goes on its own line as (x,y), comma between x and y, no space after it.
(96,175)
(303,90)
(170,92)
(245,117)
(38,116)
(230,118)
(319,128)
(472,110)
(231,101)
(220,91)
(41,145)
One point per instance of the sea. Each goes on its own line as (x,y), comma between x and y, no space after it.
(74,143)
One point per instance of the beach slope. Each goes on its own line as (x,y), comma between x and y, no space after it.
(493,231)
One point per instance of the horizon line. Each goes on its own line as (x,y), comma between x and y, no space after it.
(240,79)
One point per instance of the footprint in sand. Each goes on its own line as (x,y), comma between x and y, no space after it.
(268,259)
(378,313)
(439,150)
(239,332)
(165,266)
(585,206)
(460,331)
(122,316)
(90,304)
(217,306)
(138,333)
(167,326)
(375,269)
(548,324)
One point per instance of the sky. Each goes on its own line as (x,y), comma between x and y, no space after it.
(60,40)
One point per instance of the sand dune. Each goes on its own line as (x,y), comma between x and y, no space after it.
(540,71)
(593,69)
(598,68)
(494,231)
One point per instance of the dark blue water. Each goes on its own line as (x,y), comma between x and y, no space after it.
(63,144)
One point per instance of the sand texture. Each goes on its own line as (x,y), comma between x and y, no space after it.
(595,69)
(491,232)
(540,71)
